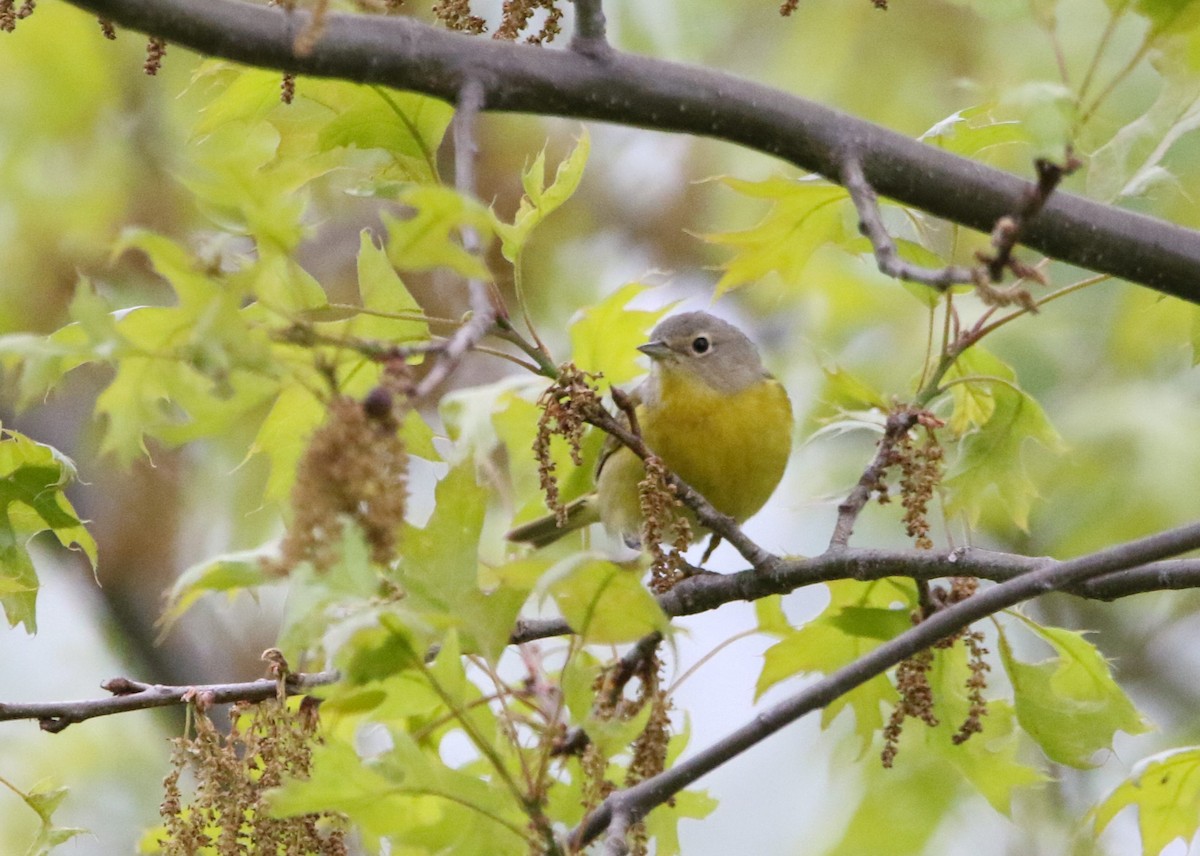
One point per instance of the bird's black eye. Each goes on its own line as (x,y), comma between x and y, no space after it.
(700,344)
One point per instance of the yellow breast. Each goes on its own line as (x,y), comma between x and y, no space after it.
(731,448)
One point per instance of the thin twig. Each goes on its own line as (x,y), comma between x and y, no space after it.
(130,695)
(484,307)
(1008,230)
(898,424)
(1006,234)
(589,37)
(616,842)
(870,223)
(637,801)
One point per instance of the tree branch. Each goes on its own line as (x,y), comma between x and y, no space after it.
(706,592)
(898,424)
(638,800)
(54,716)
(887,257)
(484,309)
(668,96)
(701,593)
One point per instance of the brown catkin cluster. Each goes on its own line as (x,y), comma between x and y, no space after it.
(266,744)
(156,49)
(921,472)
(662,522)
(649,750)
(107,28)
(9,14)
(976,684)
(354,469)
(516,15)
(1001,296)
(916,701)
(916,696)
(456,15)
(565,404)
(287,88)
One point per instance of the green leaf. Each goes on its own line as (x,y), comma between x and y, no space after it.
(408,126)
(844,391)
(32,479)
(989,471)
(973,131)
(662,826)
(900,810)
(384,294)
(427,239)
(804,216)
(440,568)
(230,573)
(1048,113)
(1130,164)
(44,800)
(858,617)
(974,403)
(1069,704)
(606,335)
(1166,790)
(283,286)
(408,794)
(988,760)
(1165,16)
(244,94)
(283,436)
(604,602)
(540,201)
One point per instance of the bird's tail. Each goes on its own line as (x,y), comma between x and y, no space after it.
(545,530)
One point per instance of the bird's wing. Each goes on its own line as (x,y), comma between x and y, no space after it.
(611,443)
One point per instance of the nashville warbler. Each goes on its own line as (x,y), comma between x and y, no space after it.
(713,414)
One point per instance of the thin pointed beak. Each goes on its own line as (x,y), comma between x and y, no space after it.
(655,350)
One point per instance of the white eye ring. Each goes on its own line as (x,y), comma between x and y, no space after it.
(701,344)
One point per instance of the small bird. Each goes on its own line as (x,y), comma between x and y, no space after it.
(710,411)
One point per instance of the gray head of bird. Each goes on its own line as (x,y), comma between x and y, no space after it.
(703,345)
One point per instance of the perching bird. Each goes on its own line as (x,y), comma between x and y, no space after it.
(713,414)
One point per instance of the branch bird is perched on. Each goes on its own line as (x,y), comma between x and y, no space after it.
(713,414)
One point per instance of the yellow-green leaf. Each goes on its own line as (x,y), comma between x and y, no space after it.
(429,238)
(804,216)
(606,335)
(604,602)
(539,200)
(1166,791)
(1070,703)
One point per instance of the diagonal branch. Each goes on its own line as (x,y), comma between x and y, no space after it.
(635,802)
(670,96)
(887,256)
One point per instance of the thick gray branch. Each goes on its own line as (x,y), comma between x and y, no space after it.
(641,798)
(667,96)
(706,592)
